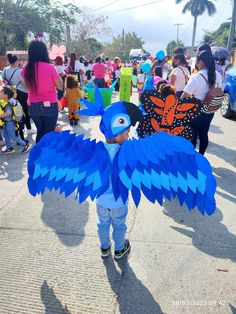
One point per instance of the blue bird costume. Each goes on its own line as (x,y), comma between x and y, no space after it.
(160,165)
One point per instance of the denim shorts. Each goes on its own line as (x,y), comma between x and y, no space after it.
(37,109)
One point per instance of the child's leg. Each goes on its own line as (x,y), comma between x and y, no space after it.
(11,135)
(104,222)
(70,112)
(7,137)
(21,129)
(75,109)
(118,218)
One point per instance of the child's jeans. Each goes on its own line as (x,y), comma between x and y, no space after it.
(117,218)
(10,135)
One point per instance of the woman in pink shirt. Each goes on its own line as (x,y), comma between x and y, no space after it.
(99,70)
(42,80)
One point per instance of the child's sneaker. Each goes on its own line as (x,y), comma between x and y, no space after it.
(8,151)
(26,148)
(125,250)
(105,252)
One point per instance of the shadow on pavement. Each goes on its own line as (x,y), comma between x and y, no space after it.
(226,154)
(209,234)
(12,166)
(51,302)
(226,181)
(233,309)
(64,121)
(132,295)
(65,216)
(216,129)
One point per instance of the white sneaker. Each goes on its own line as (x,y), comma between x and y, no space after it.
(31,131)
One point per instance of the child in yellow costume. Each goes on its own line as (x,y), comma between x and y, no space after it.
(72,95)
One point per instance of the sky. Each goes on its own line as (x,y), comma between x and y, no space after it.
(155,22)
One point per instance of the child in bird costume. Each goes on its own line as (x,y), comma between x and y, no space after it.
(157,166)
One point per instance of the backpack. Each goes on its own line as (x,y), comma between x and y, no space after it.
(185,76)
(8,82)
(214,98)
(17,111)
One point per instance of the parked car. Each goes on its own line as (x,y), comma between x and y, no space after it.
(228,107)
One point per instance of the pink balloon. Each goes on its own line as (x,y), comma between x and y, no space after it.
(62,49)
(52,55)
(57,52)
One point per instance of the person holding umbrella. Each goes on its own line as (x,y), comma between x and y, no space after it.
(220,54)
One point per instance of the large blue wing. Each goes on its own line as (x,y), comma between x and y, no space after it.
(163,165)
(69,163)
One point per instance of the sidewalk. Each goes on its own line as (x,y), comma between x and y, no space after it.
(180,262)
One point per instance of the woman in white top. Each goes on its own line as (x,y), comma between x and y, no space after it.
(179,75)
(198,87)
(12,76)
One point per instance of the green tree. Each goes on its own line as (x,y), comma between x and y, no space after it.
(19,18)
(121,46)
(57,18)
(197,8)
(172,45)
(218,37)
(90,48)
(85,33)
(15,24)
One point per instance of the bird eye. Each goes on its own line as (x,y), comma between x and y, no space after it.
(123,121)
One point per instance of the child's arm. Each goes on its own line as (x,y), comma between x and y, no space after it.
(5,114)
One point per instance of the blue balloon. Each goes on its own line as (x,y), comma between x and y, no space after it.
(160,55)
(146,67)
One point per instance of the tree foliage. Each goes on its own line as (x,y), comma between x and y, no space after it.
(172,45)
(19,18)
(90,47)
(121,46)
(218,37)
(198,7)
(84,34)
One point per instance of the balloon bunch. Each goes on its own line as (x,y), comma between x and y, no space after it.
(57,51)
(146,67)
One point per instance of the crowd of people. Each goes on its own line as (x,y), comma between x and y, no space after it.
(41,85)
(41,88)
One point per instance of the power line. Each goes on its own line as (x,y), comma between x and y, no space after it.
(178,26)
(135,7)
(105,6)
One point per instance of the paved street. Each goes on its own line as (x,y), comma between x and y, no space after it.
(180,262)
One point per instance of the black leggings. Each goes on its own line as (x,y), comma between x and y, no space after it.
(22,98)
(200,128)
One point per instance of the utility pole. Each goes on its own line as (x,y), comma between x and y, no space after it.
(123,43)
(232,28)
(178,26)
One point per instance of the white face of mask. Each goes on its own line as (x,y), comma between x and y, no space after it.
(227,62)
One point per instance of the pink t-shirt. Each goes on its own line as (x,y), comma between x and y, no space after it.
(99,70)
(114,66)
(46,76)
